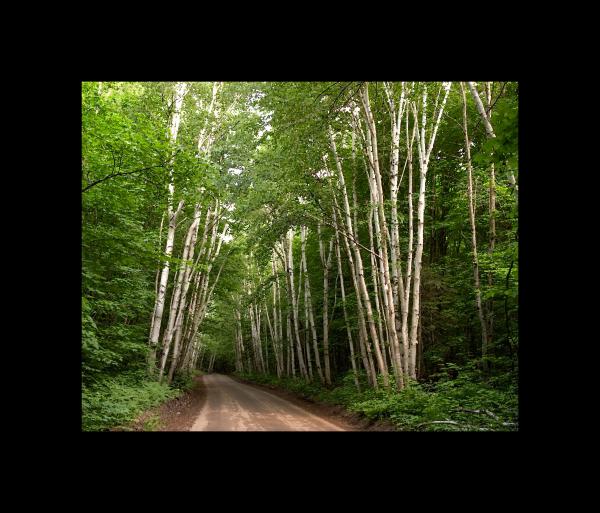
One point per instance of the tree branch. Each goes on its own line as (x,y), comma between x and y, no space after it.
(119,174)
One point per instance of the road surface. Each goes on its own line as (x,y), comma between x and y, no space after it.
(233,406)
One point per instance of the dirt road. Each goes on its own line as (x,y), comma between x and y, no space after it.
(233,406)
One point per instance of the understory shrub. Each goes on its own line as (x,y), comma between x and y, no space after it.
(118,400)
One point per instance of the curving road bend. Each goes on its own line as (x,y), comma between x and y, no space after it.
(233,406)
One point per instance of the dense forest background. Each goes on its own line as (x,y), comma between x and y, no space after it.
(354,242)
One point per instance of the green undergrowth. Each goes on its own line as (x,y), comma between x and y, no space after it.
(465,403)
(117,401)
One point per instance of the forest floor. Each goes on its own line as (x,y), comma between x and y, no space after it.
(177,414)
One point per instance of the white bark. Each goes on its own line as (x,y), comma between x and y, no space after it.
(162,219)
(205,139)
(381,232)
(180,90)
(205,292)
(346,320)
(492,229)
(309,307)
(181,283)
(484,335)
(490,130)
(407,288)
(294,303)
(365,348)
(326,263)
(162,290)
(359,267)
(425,148)
(187,278)
(397,282)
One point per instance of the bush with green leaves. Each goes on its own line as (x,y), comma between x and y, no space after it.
(119,400)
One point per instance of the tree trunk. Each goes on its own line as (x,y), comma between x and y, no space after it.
(183,274)
(326,263)
(162,219)
(294,303)
(409,264)
(346,320)
(359,268)
(187,278)
(484,336)
(492,234)
(180,90)
(425,149)
(490,131)
(309,307)
(382,233)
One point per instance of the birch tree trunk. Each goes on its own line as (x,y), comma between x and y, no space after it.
(277,348)
(484,335)
(273,333)
(376,290)
(346,320)
(490,131)
(182,283)
(407,288)
(305,329)
(360,270)
(425,149)
(309,306)
(381,232)
(397,281)
(492,234)
(187,278)
(294,303)
(162,219)
(326,262)
(279,326)
(204,139)
(180,90)
(365,346)
(203,292)
(239,365)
